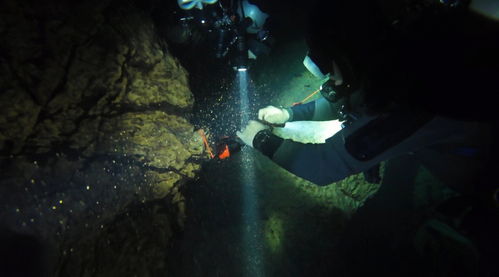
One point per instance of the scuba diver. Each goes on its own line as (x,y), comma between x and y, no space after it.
(400,75)
(227,29)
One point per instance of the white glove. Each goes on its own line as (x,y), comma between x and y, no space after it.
(249,133)
(273,115)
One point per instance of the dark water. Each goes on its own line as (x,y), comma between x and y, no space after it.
(220,240)
(391,235)
(244,216)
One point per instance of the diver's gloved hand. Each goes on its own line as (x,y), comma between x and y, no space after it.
(273,115)
(249,133)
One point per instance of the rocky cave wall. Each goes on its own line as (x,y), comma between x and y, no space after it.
(93,119)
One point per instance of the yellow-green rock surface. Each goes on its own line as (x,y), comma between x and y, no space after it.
(93,119)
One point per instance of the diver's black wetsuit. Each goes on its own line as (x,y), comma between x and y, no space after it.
(361,145)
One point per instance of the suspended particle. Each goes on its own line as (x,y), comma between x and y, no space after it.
(60,201)
(32,181)
(32,220)
(54,207)
(18,210)
(88,187)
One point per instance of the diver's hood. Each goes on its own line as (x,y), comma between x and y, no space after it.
(257,16)
(198,4)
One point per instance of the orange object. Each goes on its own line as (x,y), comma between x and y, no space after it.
(205,142)
(225,153)
(306,98)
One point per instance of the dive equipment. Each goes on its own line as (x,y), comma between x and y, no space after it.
(198,4)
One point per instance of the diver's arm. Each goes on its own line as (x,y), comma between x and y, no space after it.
(330,162)
(321,164)
(318,110)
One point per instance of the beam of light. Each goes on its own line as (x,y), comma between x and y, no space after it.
(252,233)
(242,84)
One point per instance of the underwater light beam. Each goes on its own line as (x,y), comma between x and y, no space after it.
(242,83)
(252,233)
